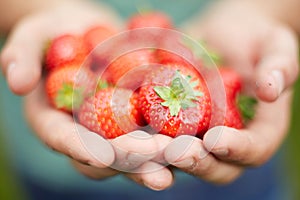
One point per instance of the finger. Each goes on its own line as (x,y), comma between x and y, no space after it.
(188,154)
(21,57)
(153,176)
(254,145)
(93,172)
(162,142)
(133,149)
(278,65)
(59,131)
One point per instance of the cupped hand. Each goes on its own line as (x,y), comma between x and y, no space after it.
(260,47)
(137,155)
(225,152)
(265,52)
(22,56)
(92,155)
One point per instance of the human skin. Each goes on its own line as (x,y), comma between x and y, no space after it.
(264,49)
(224,152)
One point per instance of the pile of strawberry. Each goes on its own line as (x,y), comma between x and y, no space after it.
(166,94)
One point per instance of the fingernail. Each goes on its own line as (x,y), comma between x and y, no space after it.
(212,137)
(279,80)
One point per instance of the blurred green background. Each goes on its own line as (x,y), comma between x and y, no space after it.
(292,144)
(10,188)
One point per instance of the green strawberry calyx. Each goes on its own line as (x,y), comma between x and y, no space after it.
(246,105)
(102,84)
(69,97)
(180,94)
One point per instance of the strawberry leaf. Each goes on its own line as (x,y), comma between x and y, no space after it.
(174,108)
(179,95)
(163,92)
(186,103)
(166,103)
(247,105)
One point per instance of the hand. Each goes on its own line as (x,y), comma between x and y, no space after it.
(260,47)
(265,52)
(22,65)
(225,152)
(133,154)
(92,155)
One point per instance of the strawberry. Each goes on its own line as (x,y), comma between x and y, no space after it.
(92,38)
(176,49)
(111,113)
(129,69)
(232,82)
(150,19)
(168,57)
(238,108)
(66,50)
(232,85)
(176,102)
(96,35)
(66,87)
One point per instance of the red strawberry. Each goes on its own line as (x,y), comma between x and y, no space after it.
(176,50)
(111,113)
(149,19)
(66,50)
(233,85)
(232,82)
(99,56)
(168,57)
(173,104)
(130,68)
(97,34)
(66,87)
(229,115)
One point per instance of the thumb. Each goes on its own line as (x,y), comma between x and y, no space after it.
(21,57)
